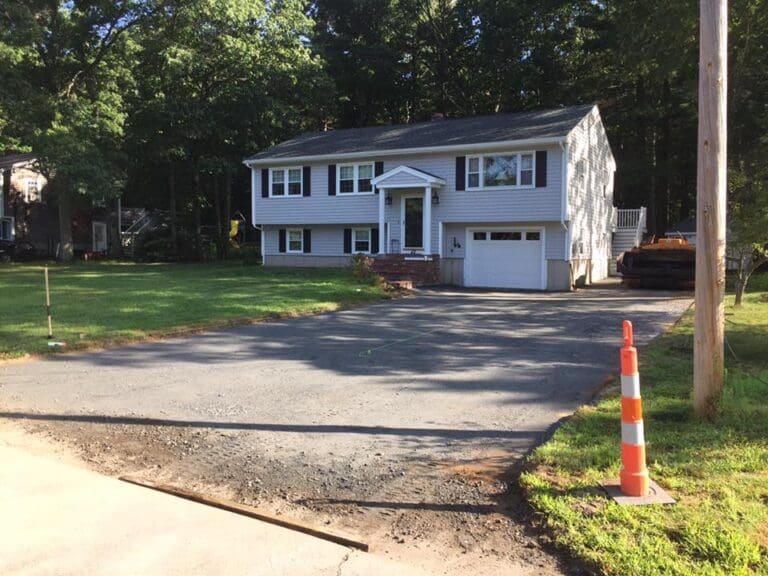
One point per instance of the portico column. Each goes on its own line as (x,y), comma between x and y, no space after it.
(382,222)
(428,220)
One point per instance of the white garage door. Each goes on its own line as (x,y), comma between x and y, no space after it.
(505,258)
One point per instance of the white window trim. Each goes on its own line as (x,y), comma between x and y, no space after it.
(27,195)
(481,159)
(354,240)
(285,170)
(355,179)
(288,240)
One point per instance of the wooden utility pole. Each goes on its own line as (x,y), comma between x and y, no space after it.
(708,352)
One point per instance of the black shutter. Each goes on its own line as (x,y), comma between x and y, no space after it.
(307,241)
(374,240)
(461,173)
(331,179)
(541,168)
(281,240)
(347,240)
(378,170)
(265,182)
(307,180)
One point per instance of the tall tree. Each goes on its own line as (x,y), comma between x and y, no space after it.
(217,79)
(74,59)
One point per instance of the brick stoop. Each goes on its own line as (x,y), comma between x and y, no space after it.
(417,269)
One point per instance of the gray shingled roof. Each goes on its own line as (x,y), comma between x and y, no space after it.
(9,160)
(475,130)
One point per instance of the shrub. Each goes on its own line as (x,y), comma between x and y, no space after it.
(362,268)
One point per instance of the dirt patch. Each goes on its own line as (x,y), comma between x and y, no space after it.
(450,517)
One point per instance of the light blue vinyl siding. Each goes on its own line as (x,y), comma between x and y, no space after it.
(454,237)
(326,240)
(509,205)
(319,208)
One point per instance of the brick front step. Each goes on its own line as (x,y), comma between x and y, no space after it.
(420,271)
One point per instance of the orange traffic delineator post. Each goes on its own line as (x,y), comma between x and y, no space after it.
(634,487)
(634,473)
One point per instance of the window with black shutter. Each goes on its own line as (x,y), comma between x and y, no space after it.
(307,178)
(332,180)
(541,168)
(461,168)
(374,240)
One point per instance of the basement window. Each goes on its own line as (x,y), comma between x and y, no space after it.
(295,240)
(361,239)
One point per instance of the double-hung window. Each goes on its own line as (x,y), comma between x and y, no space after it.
(361,240)
(355,179)
(501,171)
(295,240)
(286,182)
(32,190)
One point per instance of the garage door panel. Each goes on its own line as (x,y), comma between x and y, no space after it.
(505,258)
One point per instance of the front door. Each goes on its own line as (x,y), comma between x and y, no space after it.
(413,223)
(99,237)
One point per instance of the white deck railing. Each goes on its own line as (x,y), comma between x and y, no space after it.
(630,218)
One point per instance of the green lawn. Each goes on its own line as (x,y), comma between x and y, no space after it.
(717,471)
(103,303)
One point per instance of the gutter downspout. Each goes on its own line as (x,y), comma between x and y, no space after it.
(253,212)
(564,212)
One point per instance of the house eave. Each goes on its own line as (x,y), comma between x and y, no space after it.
(368,154)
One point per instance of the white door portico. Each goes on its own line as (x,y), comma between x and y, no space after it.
(408,181)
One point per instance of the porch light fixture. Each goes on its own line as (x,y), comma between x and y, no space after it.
(435,199)
(388,200)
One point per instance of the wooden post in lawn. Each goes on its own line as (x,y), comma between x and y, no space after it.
(708,349)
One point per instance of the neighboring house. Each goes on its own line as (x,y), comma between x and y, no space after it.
(685,229)
(21,197)
(27,215)
(510,201)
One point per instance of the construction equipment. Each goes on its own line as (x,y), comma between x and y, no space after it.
(664,263)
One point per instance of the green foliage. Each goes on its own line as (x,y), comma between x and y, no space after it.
(107,302)
(161,99)
(718,471)
(362,268)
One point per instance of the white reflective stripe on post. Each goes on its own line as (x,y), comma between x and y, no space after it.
(630,386)
(633,433)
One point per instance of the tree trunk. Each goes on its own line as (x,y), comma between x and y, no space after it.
(741,281)
(741,286)
(663,164)
(227,212)
(172,209)
(197,217)
(217,210)
(66,247)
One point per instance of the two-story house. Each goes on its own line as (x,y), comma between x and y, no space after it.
(505,201)
(29,215)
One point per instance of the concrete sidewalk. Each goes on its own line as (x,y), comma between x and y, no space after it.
(59,518)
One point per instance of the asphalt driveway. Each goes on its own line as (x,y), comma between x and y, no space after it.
(454,368)
(338,406)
